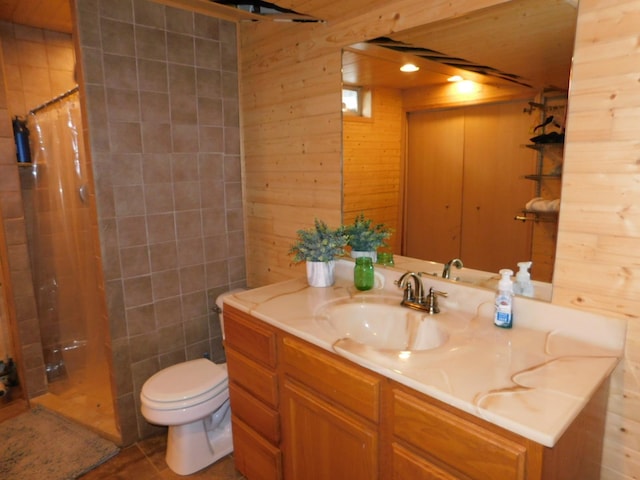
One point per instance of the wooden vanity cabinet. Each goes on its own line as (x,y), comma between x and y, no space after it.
(250,346)
(301,412)
(430,441)
(330,415)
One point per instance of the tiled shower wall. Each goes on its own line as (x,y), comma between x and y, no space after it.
(161,89)
(36,66)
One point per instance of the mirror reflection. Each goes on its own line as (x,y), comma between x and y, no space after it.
(468,169)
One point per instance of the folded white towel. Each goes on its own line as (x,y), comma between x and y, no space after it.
(539,204)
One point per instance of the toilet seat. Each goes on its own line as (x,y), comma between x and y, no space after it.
(185,384)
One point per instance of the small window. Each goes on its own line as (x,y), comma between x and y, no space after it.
(351,101)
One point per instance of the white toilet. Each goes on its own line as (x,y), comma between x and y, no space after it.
(192,398)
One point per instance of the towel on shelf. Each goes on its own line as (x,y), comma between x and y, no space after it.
(539,204)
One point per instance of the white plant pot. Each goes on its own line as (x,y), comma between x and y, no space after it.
(371,254)
(321,274)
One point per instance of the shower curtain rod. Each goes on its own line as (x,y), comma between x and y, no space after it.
(54,100)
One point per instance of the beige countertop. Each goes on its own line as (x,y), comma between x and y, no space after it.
(532,379)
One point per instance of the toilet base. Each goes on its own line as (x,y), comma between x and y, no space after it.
(191,448)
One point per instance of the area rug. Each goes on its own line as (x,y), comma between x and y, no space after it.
(40,445)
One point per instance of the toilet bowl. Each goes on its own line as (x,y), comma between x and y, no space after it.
(192,399)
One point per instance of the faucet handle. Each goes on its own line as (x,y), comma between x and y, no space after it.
(432,300)
(408,295)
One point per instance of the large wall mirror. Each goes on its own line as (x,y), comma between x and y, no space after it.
(451,166)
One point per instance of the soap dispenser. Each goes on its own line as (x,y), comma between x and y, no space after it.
(504,300)
(523,285)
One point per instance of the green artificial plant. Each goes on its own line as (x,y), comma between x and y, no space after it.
(319,244)
(364,236)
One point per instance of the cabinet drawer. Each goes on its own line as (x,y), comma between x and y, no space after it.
(254,378)
(253,456)
(351,387)
(465,446)
(251,337)
(407,465)
(254,413)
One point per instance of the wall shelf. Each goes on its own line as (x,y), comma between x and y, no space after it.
(540,176)
(536,216)
(542,146)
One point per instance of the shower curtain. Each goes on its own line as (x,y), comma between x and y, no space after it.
(61,243)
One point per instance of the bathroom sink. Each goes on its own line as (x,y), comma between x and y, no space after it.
(381,323)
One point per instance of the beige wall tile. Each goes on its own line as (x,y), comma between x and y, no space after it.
(157,164)
(164,256)
(159,198)
(156,137)
(117,37)
(189,224)
(168,311)
(122,105)
(166,284)
(161,228)
(190,251)
(135,261)
(180,48)
(137,291)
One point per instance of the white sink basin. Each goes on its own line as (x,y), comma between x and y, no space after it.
(381,323)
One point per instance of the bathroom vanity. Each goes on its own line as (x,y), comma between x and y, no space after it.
(481,403)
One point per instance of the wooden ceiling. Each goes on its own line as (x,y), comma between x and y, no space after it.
(531,39)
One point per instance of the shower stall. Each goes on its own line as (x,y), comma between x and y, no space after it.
(61,223)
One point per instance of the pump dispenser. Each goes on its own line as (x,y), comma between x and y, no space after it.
(504,300)
(523,285)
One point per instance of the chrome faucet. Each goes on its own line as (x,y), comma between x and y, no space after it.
(456,262)
(414,296)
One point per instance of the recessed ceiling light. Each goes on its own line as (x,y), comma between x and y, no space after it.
(455,78)
(409,67)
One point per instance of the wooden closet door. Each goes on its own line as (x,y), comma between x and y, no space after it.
(433,208)
(465,183)
(494,187)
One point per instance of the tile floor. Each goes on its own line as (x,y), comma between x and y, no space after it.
(145,461)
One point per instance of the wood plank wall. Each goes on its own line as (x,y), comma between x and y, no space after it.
(598,256)
(290,77)
(372,159)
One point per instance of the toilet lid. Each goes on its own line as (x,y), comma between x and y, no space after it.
(185,381)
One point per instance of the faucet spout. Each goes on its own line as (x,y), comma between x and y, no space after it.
(456,262)
(415,294)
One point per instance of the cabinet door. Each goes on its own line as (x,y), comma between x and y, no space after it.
(322,442)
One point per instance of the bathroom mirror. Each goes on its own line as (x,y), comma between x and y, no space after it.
(513,51)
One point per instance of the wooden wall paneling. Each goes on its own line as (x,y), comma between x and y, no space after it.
(372,161)
(598,239)
(286,52)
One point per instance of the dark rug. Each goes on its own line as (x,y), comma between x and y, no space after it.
(40,445)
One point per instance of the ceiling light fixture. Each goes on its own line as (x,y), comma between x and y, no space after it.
(455,78)
(409,67)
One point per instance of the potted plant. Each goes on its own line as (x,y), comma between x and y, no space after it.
(364,237)
(318,246)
